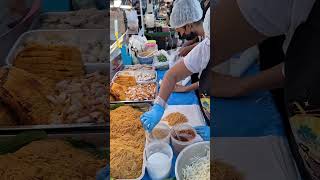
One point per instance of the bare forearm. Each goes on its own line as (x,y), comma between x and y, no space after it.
(266,80)
(231,32)
(174,75)
(192,87)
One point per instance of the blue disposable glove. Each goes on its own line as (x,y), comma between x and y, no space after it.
(151,118)
(204,132)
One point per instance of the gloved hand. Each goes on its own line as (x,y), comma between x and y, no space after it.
(151,118)
(204,132)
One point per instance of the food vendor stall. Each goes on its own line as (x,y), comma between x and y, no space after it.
(134,85)
(53,99)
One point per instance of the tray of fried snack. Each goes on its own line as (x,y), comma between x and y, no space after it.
(125,89)
(39,47)
(84,155)
(39,102)
(81,19)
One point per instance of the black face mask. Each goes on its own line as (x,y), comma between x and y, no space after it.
(188,37)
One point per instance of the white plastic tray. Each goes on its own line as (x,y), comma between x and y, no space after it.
(192,112)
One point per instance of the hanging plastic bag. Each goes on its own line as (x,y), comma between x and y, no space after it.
(132,20)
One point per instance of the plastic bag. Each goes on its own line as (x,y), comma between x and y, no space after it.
(161,65)
(132,20)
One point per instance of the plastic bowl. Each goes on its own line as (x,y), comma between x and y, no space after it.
(165,129)
(145,60)
(179,144)
(185,157)
(158,170)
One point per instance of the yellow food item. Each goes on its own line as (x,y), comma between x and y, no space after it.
(118,91)
(222,171)
(160,133)
(49,159)
(7,118)
(56,62)
(26,94)
(127,138)
(176,118)
(126,80)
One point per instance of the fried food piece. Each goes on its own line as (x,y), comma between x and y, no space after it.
(118,91)
(26,94)
(7,118)
(126,80)
(176,118)
(57,62)
(141,92)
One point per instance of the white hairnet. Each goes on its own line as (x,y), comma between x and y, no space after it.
(185,12)
(206,24)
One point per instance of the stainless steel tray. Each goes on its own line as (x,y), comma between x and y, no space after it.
(139,82)
(68,37)
(63,127)
(128,66)
(143,107)
(98,139)
(146,101)
(37,22)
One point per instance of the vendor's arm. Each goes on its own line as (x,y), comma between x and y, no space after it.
(228,86)
(181,88)
(231,32)
(177,73)
(240,24)
(185,50)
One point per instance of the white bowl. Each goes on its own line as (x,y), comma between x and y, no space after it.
(186,155)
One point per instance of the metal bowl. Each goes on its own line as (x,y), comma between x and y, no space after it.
(186,155)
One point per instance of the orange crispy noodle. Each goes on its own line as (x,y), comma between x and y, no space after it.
(176,118)
(127,138)
(50,160)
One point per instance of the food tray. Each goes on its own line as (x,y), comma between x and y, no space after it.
(126,67)
(68,37)
(97,139)
(146,101)
(61,127)
(132,73)
(36,24)
(142,107)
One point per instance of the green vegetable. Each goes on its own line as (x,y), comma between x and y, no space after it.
(162,58)
(13,144)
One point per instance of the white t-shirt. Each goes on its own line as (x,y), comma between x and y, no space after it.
(276,17)
(198,58)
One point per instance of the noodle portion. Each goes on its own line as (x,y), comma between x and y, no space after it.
(50,160)
(127,138)
(176,118)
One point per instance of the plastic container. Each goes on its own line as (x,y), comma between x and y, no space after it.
(183,135)
(145,60)
(161,133)
(186,156)
(158,160)
(151,46)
